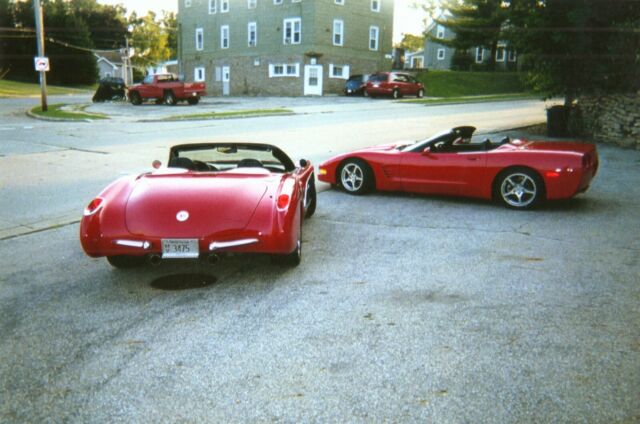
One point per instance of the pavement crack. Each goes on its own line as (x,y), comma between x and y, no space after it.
(39,230)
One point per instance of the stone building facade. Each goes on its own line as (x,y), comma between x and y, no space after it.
(611,118)
(282,47)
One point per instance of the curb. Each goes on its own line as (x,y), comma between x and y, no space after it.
(51,119)
(214,118)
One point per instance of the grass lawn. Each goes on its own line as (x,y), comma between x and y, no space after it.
(474,99)
(25,89)
(75,112)
(458,84)
(232,114)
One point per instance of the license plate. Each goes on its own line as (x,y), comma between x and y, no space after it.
(180,248)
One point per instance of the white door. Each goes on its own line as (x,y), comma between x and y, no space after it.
(226,77)
(313,80)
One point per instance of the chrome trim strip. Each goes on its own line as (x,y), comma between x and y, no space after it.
(133,243)
(223,244)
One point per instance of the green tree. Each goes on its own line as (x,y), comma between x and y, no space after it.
(577,46)
(476,23)
(170,26)
(149,40)
(107,24)
(411,42)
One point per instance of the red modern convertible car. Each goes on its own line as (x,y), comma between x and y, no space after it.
(212,199)
(520,173)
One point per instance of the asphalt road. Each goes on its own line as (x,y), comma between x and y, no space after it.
(404,309)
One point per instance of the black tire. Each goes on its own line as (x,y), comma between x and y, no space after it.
(355,176)
(312,197)
(519,188)
(125,261)
(365,93)
(158,101)
(170,98)
(135,98)
(395,93)
(420,93)
(193,100)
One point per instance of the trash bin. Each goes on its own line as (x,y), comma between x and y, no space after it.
(557,121)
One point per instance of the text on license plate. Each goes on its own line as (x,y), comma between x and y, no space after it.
(180,248)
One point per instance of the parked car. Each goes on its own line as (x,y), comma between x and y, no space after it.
(394,84)
(355,85)
(519,173)
(110,88)
(167,88)
(212,199)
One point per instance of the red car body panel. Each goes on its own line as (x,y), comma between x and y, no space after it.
(566,168)
(384,83)
(166,82)
(237,204)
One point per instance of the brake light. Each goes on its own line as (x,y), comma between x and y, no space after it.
(94,206)
(283,201)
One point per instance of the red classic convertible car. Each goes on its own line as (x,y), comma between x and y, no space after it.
(520,173)
(212,199)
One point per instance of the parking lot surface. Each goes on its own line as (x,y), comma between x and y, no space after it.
(404,309)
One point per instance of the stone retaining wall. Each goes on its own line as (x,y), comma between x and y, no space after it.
(612,118)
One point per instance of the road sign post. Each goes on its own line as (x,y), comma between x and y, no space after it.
(41,61)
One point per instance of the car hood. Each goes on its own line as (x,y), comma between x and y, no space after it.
(187,205)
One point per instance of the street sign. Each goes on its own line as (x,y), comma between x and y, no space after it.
(41,63)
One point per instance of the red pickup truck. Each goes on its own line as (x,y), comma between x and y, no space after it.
(167,88)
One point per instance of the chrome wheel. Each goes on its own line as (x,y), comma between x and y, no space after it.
(352,177)
(519,190)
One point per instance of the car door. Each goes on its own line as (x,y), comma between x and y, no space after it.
(447,172)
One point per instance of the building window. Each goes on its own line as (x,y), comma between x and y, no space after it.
(224,6)
(440,32)
(441,54)
(375,5)
(187,3)
(512,56)
(374,33)
(284,70)
(338,32)
(198,74)
(252,34)
(292,33)
(212,6)
(251,4)
(338,71)
(224,37)
(199,39)
(479,54)
(277,1)
(500,54)
(340,2)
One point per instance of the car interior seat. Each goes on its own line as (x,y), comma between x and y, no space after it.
(181,162)
(249,163)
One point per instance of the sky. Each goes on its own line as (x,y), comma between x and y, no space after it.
(406,19)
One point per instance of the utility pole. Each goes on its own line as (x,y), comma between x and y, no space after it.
(40,39)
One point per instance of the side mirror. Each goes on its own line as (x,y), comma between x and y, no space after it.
(156,164)
(304,163)
(426,151)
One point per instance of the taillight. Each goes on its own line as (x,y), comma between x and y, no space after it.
(283,201)
(94,206)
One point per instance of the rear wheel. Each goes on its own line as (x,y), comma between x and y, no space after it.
(170,98)
(519,188)
(420,93)
(292,259)
(311,197)
(125,261)
(193,100)
(395,93)
(135,98)
(355,176)
(365,92)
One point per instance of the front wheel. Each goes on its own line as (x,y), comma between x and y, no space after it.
(395,94)
(355,176)
(125,261)
(170,98)
(135,98)
(420,93)
(193,100)
(520,188)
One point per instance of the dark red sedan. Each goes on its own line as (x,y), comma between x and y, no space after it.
(393,84)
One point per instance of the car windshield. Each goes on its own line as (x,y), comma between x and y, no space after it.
(424,142)
(226,157)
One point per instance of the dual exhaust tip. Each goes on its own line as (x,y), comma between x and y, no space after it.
(156,259)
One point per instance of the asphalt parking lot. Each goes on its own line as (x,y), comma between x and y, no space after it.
(404,309)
